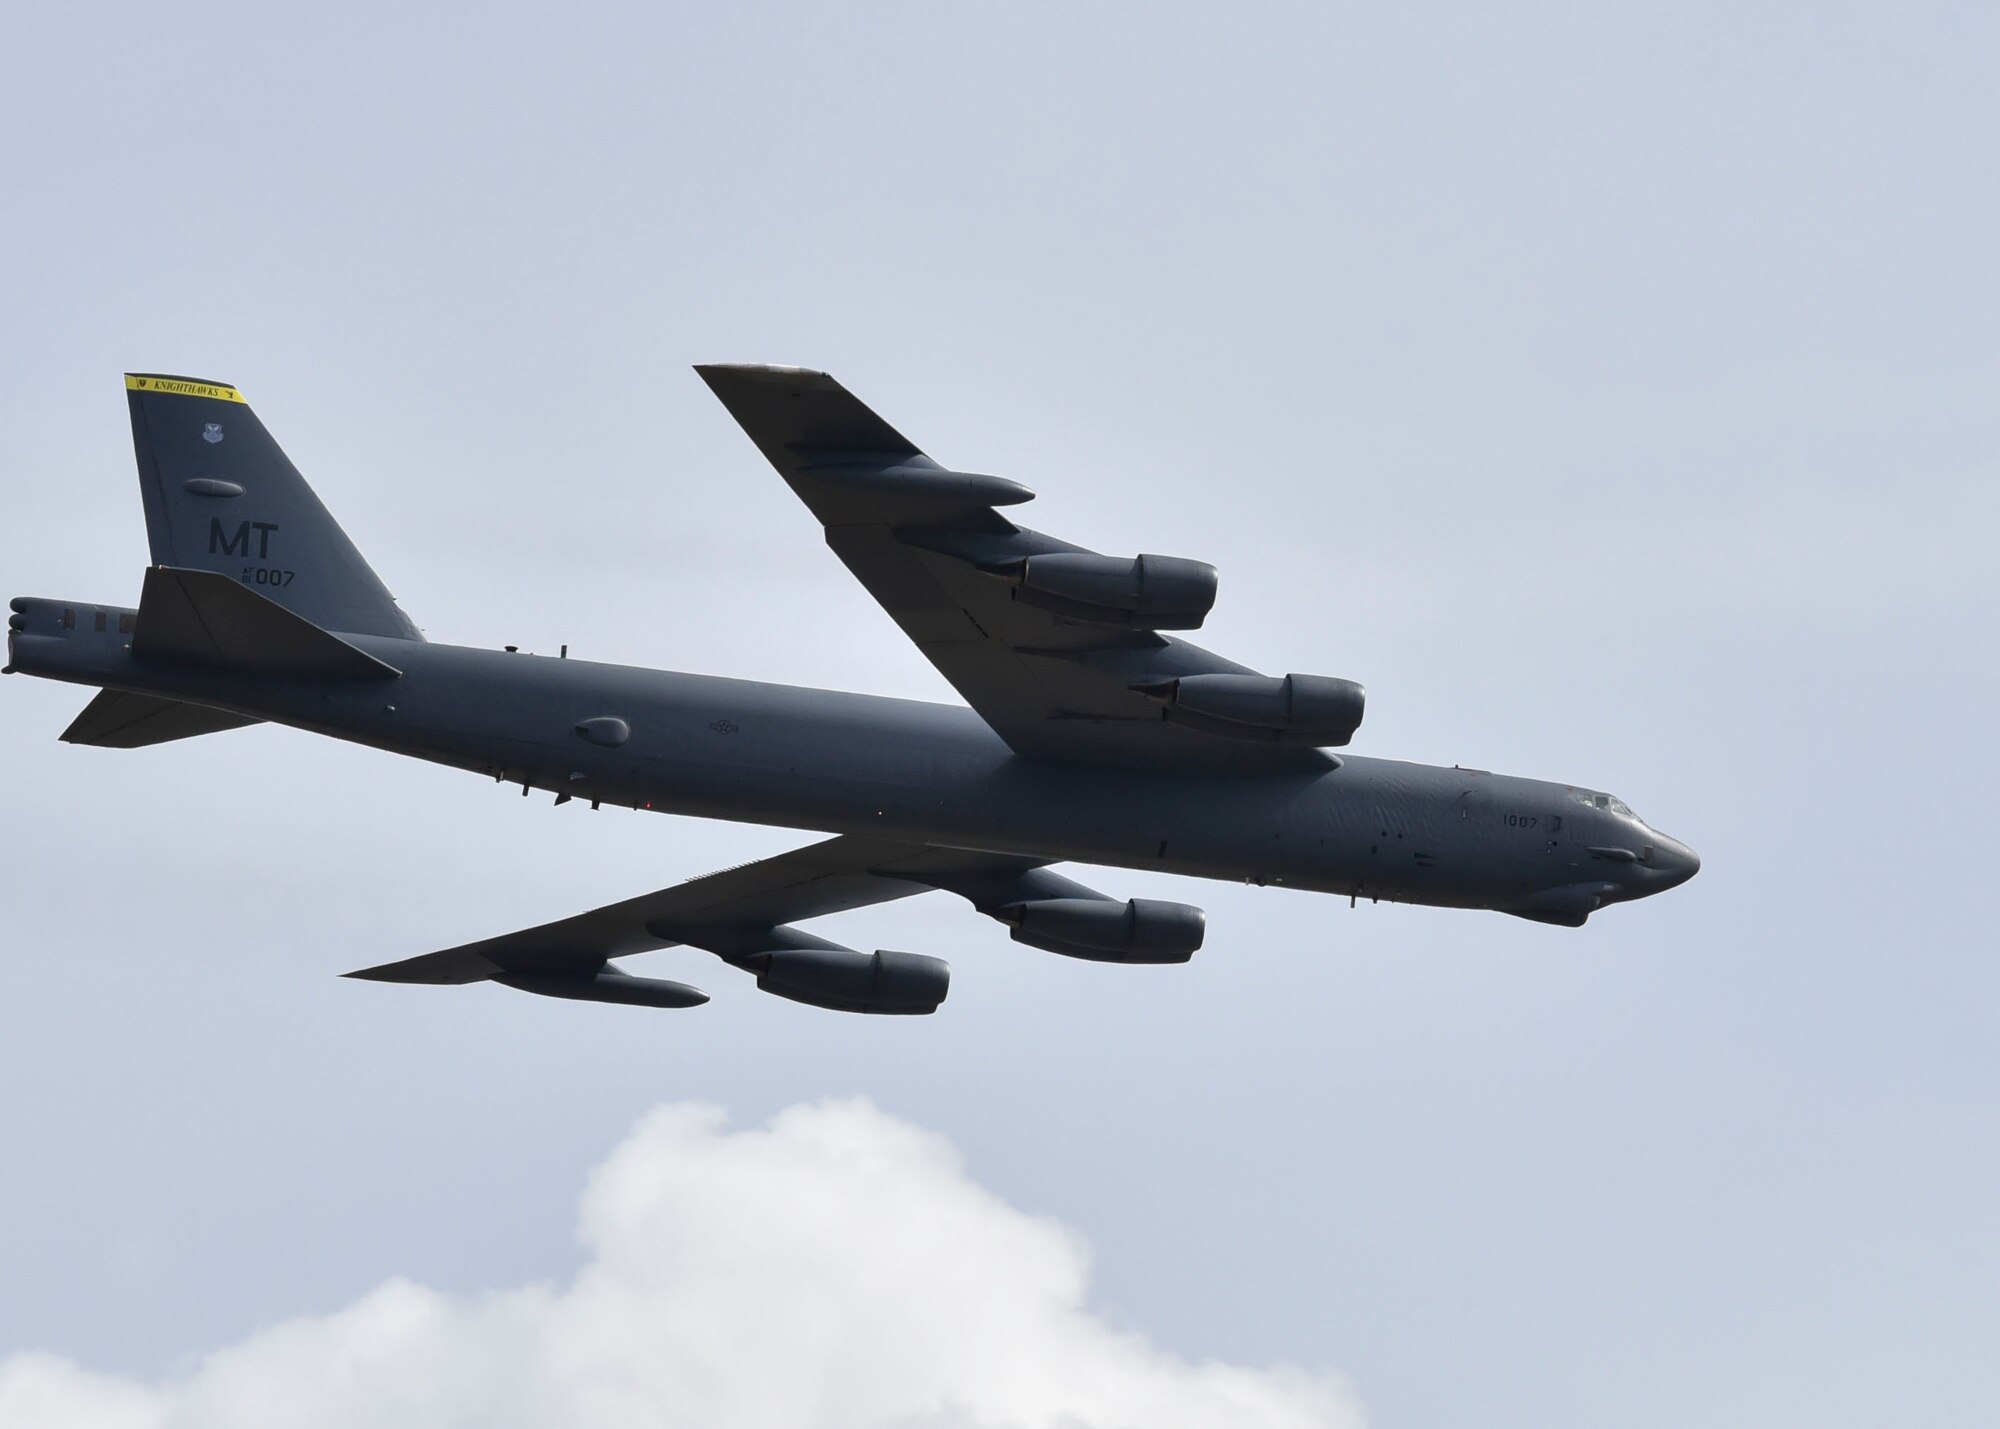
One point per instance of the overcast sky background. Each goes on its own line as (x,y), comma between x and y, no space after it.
(1613,394)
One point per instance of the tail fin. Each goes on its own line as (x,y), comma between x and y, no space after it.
(221,496)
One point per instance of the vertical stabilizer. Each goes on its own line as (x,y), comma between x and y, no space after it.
(221,496)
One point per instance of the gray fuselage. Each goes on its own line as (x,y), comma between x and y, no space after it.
(860,764)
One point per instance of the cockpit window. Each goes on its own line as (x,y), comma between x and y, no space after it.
(1602,801)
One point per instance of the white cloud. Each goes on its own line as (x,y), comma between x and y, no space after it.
(835,1268)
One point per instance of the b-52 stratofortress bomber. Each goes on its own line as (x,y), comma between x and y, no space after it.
(1088,734)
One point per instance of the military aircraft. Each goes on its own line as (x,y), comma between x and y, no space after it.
(1089,735)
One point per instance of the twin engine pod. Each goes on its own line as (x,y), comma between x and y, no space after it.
(1139,930)
(1293,709)
(1135,592)
(843,980)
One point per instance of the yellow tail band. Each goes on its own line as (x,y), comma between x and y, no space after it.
(181,387)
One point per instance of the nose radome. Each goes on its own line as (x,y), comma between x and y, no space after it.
(1674,862)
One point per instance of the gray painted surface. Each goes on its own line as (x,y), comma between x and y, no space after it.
(1069,754)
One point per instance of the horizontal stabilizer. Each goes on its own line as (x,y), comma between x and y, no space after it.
(118,720)
(210,618)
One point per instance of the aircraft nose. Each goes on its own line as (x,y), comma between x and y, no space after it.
(1674,863)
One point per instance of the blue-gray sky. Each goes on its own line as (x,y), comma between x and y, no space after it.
(1611,392)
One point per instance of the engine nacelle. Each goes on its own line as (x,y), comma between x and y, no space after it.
(1294,709)
(1140,930)
(1138,592)
(846,981)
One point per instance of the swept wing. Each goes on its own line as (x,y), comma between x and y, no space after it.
(1056,647)
(744,916)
